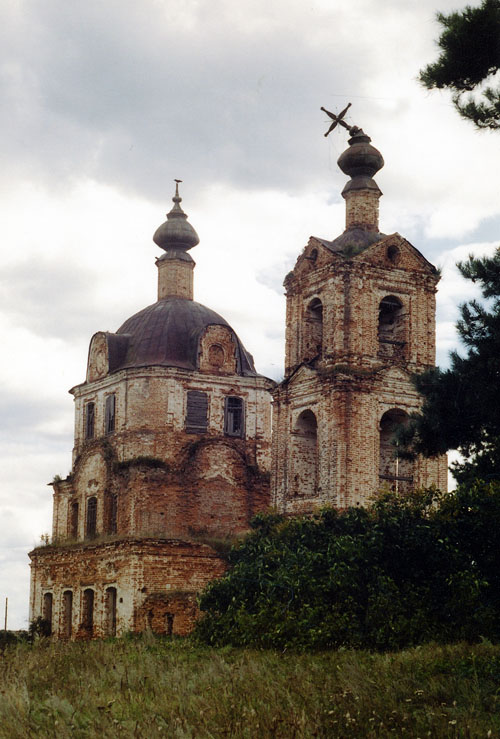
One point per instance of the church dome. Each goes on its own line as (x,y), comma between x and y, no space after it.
(176,233)
(168,334)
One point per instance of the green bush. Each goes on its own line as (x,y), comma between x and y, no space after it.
(403,571)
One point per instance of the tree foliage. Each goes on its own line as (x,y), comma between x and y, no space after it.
(461,405)
(470,56)
(399,572)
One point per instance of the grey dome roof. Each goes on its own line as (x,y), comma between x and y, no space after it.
(167,333)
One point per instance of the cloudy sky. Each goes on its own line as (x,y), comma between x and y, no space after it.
(105,103)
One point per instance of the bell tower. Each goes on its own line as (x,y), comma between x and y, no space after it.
(360,322)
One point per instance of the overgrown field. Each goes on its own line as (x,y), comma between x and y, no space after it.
(151,687)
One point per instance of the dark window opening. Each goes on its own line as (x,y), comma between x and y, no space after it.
(109,414)
(67,613)
(91,527)
(394,472)
(314,329)
(113,514)
(111,611)
(88,610)
(233,416)
(393,254)
(391,327)
(196,412)
(47,611)
(73,520)
(305,455)
(169,624)
(89,420)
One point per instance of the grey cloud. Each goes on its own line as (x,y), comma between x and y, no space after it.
(125,96)
(52,299)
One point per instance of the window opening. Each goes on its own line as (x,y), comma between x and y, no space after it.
(391,327)
(73,520)
(233,416)
(393,254)
(91,527)
(47,610)
(196,412)
(393,471)
(305,455)
(89,420)
(111,611)
(88,610)
(109,413)
(67,613)
(169,624)
(113,514)
(314,328)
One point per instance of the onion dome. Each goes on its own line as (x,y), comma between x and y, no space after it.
(360,161)
(176,233)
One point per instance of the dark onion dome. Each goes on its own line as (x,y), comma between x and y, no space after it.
(361,158)
(167,334)
(176,233)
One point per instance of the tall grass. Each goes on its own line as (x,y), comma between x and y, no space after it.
(151,688)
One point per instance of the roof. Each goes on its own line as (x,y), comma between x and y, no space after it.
(167,333)
(353,241)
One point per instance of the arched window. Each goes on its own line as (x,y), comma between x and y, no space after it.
(313,329)
(47,610)
(234,417)
(109,414)
(305,455)
(391,328)
(89,420)
(394,472)
(88,611)
(110,610)
(67,613)
(73,520)
(91,520)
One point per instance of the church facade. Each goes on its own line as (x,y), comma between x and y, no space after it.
(174,447)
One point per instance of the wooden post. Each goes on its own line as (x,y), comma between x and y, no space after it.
(6,605)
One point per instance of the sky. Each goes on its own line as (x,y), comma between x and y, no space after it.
(104,104)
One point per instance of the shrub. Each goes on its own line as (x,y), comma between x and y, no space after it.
(400,572)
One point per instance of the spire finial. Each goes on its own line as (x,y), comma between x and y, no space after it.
(177,198)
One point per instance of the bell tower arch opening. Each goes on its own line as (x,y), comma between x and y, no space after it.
(394,472)
(305,455)
(313,334)
(392,338)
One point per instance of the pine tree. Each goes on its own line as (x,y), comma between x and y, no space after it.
(470,44)
(461,405)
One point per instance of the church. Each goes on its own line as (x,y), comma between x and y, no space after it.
(179,441)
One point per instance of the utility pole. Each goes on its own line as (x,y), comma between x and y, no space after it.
(6,606)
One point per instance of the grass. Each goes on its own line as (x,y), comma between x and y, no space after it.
(151,687)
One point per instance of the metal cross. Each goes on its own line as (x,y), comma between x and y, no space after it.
(338,119)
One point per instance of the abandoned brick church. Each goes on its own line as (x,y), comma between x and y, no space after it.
(175,443)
